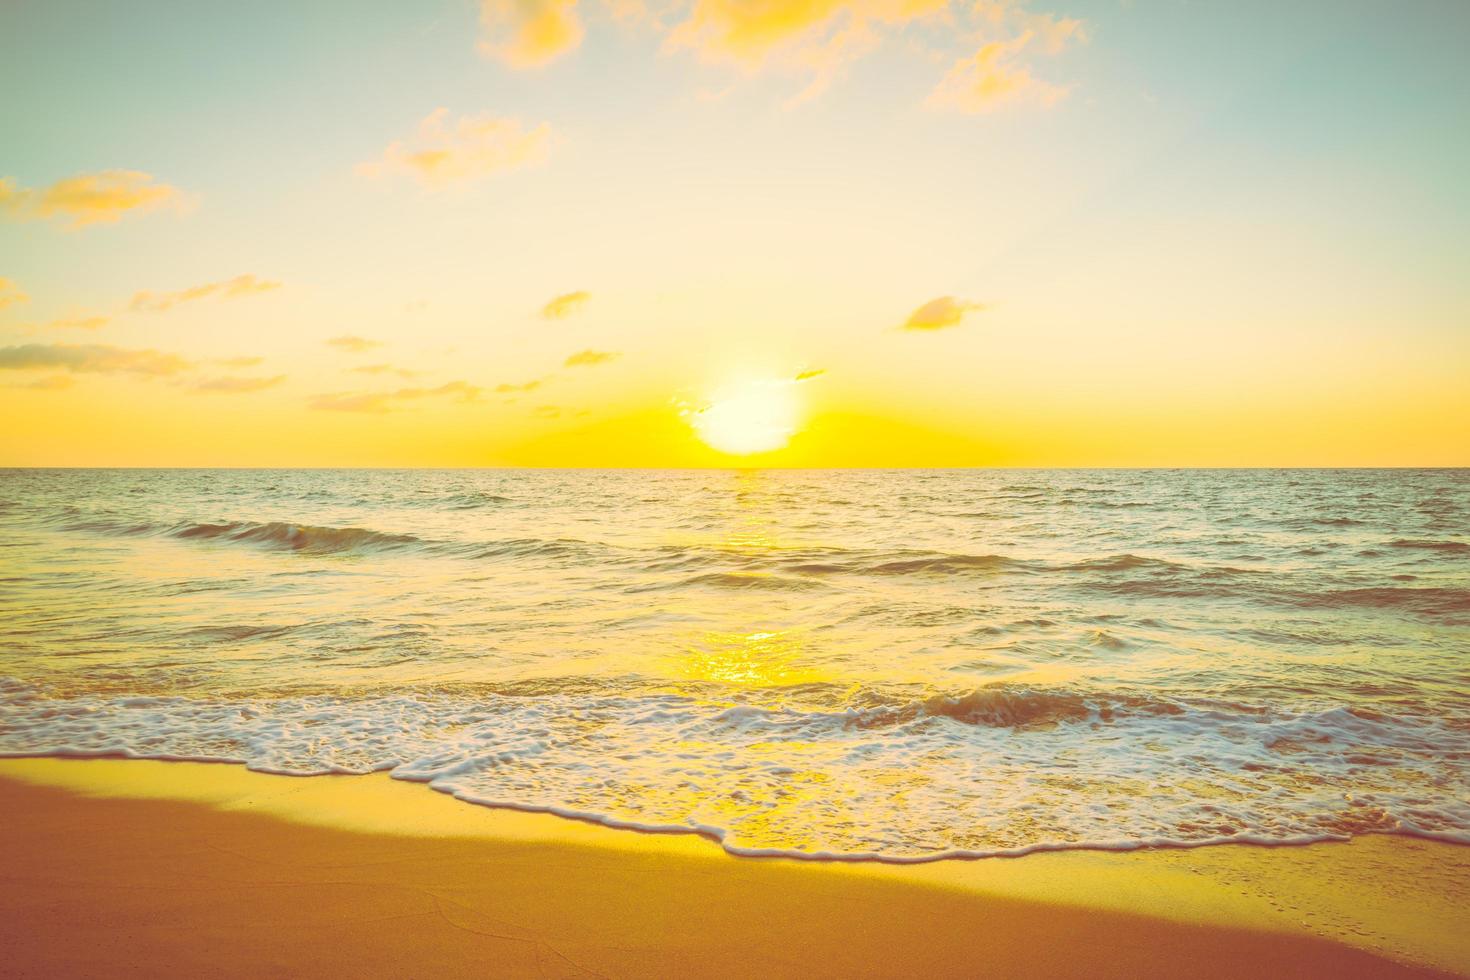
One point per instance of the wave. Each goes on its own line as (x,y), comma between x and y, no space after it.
(908,780)
(1123,574)
(299,537)
(474,500)
(1458,547)
(741,581)
(67,520)
(325,540)
(919,564)
(1311,522)
(1158,578)
(995,707)
(280,535)
(528,548)
(946,564)
(1431,600)
(1124,563)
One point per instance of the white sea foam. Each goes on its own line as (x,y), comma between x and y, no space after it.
(899,783)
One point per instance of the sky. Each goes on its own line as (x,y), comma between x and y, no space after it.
(735,233)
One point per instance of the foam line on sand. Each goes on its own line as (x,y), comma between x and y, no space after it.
(119,867)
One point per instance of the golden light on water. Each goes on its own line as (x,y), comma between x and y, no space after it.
(755,417)
(760,659)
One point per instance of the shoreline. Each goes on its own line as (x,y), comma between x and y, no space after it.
(709,836)
(622,903)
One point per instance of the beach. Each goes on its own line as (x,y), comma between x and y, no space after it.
(131,868)
(423,723)
(734,488)
(904,665)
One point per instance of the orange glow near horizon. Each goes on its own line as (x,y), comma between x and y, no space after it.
(995,234)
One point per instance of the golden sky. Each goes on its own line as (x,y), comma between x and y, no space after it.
(729,232)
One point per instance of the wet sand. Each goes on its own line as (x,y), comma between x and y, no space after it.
(129,868)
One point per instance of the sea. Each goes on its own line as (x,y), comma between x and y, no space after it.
(850,664)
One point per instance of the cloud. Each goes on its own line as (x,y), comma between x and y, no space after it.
(87,199)
(588,358)
(475,146)
(349,402)
(750,33)
(992,78)
(353,345)
(385,369)
(565,305)
(529,33)
(55,382)
(511,389)
(809,375)
(10,293)
(1052,32)
(815,38)
(90,358)
(381,402)
(627,11)
(80,323)
(240,362)
(238,386)
(247,285)
(937,314)
(818,37)
(461,391)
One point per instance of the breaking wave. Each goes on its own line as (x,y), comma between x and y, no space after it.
(298,537)
(997,770)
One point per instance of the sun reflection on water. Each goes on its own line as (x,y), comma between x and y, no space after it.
(759,659)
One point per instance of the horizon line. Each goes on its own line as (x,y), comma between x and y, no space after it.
(742,469)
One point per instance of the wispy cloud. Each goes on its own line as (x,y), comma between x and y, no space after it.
(937,314)
(589,358)
(809,375)
(80,323)
(470,148)
(10,293)
(87,199)
(565,305)
(1052,33)
(352,344)
(55,382)
(529,33)
(461,391)
(385,369)
(373,402)
(517,389)
(992,78)
(381,402)
(237,386)
(246,285)
(90,358)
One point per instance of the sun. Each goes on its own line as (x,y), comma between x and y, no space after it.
(755,417)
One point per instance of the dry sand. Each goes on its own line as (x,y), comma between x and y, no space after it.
(122,868)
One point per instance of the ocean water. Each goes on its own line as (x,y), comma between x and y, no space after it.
(896,664)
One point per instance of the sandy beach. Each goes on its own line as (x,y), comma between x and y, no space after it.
(130,868)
